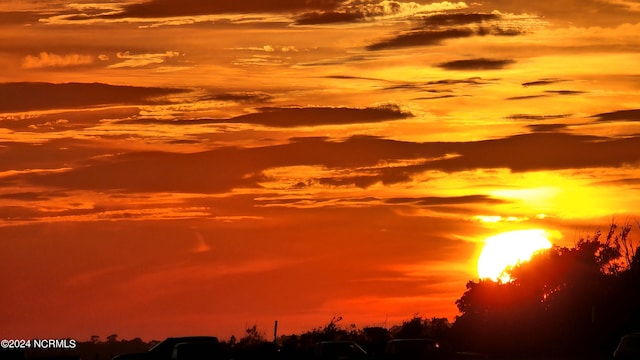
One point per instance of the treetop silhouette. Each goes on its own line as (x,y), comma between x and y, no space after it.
(564,300)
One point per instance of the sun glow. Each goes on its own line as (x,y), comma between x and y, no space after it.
(507,249)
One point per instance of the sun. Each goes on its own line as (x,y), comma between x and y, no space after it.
(507,249)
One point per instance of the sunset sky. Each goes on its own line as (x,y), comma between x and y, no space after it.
(179,167)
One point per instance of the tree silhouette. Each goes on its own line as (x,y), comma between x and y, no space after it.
(417,327)
(252,337)
(562,300)
(254,345)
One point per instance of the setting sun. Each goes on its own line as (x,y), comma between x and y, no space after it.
(509,248)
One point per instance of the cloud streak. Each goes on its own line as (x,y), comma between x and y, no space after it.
(129,60)
(420,38)
(170,8)
(46,59)
(476,64)
(30,96)
(435,29)
(290,117)
(357,11)
(620,115)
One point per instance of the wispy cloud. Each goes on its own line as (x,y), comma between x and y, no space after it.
(29,96)
(356,11)
(536,117)
(169,8)
(329,17)
(547,127)
(47,59)
(565,92)
(620,115)
(242,97)
(140,60)
(542,82)
(630,5)
(476,64)
(289,117)
(421,38)
(548,93)
(434,29)
(268,48)
(442,200)
(445,19)
(59,121)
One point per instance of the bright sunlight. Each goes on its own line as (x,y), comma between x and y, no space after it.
(508,249)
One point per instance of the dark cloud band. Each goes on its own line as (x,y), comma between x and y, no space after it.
(27,96)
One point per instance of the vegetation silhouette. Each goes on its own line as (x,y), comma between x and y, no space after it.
(569,302)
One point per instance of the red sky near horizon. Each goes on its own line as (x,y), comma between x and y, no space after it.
(196,167)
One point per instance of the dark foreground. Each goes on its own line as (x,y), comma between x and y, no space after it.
(209,348)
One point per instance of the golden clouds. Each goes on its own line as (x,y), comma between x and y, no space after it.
(47,59)
(129,60)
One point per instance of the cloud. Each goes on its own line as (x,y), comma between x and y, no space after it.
(330,17)
(526,153)
(30,96)
(18,213)
(269,49)
(630,5)
(18,156)
(619,182)
(454,204)
(261,60)
(357,11)
(287,117)
(305,12)
(565,92)
(437,97)
(30,196)
(547,127)
(536,117)
(46,59)
(362,181)
(542,82)
(525,97)
(171,8)
(292,117)
(620,115)
(548,93)
(439,20)
(468,81)
(431,37)
(476,64)
(446,200)
(242,97)
(64,121)
(17,17)
(400,9)
(420,38)
(141,60)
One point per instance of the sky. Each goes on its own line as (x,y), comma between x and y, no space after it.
(197,167)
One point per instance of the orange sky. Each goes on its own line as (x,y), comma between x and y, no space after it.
(194,167)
